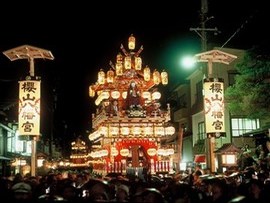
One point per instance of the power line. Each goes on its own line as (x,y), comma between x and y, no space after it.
(239,29)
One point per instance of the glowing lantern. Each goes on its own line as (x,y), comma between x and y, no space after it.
(91,91)
(148,130)
(161,152)
(146,95)
(136,130)
(124,130)
(170,151)
(159,130)
(110,76)
(103,130)
(138,63)
(105,95)
(114,151)
(119,68)
(124,152)
(127,62)
(97,102)
(147,73)
(151,151)
(114,130)
(164,77)
(170,130)
(156,95)
(104,152)
(156,77)
(131,42)
(101,77)
(119,58)
(124,95)
(115,94)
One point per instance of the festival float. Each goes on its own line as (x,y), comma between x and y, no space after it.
(129,124)
(79,154)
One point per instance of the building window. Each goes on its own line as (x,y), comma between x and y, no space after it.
(10,142)
(199,90)
(243,125)
(231,77)
(201,131)
(182,101)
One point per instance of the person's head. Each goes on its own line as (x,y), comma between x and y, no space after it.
(115,102)
(68,192)
(22,191)
(122,192)
(132,84)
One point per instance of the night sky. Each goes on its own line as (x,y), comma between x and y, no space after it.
(84,37)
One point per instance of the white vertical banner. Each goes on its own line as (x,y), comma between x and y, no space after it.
(214,107)
(29,108)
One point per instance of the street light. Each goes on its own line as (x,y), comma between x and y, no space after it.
(213,100)
(29,96)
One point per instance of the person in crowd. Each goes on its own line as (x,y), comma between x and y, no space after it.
(122,193)
(21,192)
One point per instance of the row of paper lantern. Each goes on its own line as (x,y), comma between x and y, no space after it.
(135,130)
(110,76)
(125,152)
(116,95)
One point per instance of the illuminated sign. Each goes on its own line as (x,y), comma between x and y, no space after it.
(214,107)
(29,108)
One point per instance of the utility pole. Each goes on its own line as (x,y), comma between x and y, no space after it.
(202,30)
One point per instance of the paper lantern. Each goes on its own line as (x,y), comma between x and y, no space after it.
(131,42)
(101,77)
(147,73)
(164,78)
(110,76)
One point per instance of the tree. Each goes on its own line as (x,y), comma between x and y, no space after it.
(250,95)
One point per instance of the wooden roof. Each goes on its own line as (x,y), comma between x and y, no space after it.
(215,56)
(228,148)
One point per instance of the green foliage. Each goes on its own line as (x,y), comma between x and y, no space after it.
(250,95)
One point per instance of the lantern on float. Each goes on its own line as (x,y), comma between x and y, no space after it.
(159,130)
(131,42)
(138,63)
(146,95)
(148,130)
(101,77)
(164,77)
(91,91)
(156,95)
(124,94)
(136,130)
(156,77)
(119,58)
(115,94)
(151,151)
(170,130)
(114,130)
(124,152)
(110,76)
(124,130)
(119,68)
(127,62)
(114,151)
(147,73)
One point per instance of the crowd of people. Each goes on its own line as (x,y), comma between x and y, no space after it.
(197,186)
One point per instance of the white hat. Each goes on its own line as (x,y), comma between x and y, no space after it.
(123,187)
(21,187)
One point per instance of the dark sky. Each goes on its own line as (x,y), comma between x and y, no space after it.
(84,36)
